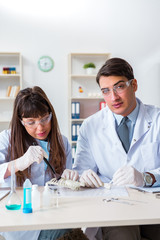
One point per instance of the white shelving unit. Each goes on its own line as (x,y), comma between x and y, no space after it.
(91,96)
(8,59)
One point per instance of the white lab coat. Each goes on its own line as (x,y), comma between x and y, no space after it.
(38,177)
(100,149)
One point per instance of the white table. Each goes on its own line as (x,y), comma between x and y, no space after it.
(77,212)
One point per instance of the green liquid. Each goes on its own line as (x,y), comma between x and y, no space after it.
(13,207)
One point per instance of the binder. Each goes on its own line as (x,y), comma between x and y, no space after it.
(73,153)
(74,132)
(78,127)
(75,110)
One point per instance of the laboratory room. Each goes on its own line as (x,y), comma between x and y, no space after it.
(79,120)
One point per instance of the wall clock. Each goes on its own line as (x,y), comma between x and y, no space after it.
(45,63)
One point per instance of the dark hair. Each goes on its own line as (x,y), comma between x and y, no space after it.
(33,102)
(115,67)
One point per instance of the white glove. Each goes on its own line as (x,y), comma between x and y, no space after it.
(33,154)
(70,174)
(91,179)
(128,175)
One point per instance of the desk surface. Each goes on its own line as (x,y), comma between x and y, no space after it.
(78,212)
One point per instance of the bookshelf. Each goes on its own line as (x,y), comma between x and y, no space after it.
(82,88)
(10,79)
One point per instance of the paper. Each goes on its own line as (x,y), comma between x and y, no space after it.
(94,192)
(147,189)
(4,193)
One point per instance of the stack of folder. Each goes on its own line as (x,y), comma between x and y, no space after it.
(75,110)
(73,152)
(75,131)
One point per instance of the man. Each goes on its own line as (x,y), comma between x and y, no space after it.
(121,142)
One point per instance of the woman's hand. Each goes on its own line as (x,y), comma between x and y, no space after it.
(70,174)
(33,154)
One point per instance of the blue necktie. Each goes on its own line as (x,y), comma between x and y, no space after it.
(123,133)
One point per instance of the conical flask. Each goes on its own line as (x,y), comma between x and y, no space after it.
(13,201)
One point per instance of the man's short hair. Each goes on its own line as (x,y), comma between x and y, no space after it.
(115,67)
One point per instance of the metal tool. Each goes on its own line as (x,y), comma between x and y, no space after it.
(57,176)
(117,200)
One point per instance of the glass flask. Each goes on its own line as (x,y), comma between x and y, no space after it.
(13,201)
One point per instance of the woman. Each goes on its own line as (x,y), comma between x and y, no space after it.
(34,132)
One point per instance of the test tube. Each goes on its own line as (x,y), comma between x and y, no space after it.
(27,196)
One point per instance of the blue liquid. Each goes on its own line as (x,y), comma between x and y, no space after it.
(27,197)
(13,207)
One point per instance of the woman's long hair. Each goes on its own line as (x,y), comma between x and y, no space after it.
(33,103)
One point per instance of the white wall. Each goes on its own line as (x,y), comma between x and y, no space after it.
(126,28)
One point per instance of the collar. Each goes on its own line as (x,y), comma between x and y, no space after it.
(132,116)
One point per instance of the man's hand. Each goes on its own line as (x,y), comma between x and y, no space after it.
(91,179)
(128,175)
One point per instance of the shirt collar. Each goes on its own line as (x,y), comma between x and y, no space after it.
(132,116)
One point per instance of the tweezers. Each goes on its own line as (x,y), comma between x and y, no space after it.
(52,169)
(57,176)
(117,200)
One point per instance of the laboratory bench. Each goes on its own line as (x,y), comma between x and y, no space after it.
(78,212)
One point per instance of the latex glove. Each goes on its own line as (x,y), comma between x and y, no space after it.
(128,175)
(70,174)
(91,179)
(33,154)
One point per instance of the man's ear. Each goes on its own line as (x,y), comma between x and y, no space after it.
(134,85)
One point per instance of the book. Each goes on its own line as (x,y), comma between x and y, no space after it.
(13,91)
(16,90)
(8,91)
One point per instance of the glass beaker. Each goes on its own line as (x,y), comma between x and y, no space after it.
(13,201)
